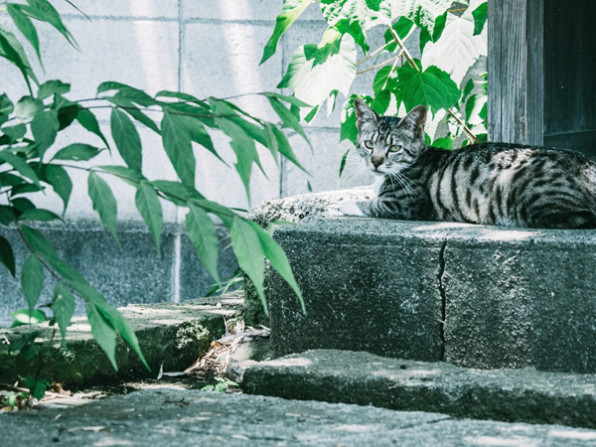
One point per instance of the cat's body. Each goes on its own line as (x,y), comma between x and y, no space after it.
(488,183)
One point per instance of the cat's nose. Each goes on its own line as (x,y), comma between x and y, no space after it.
(376,161)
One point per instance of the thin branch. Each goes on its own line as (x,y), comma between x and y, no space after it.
(382,64)
(374,53)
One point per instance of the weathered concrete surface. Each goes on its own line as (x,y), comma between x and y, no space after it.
(477,296)
(174,335)
(169,417)
(366,287)
(361,378)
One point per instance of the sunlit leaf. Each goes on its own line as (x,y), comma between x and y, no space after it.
(27,107)
(291,10)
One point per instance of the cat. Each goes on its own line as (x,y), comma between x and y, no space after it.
(487,183)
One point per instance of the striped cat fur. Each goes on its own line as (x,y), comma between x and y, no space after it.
(487,183)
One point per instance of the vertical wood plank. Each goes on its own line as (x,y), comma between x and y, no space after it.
(515,71)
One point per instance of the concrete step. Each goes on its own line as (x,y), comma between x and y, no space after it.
(170,335)
(522,395)
(474,296)
(175,417)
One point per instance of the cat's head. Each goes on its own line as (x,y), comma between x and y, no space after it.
(386,143)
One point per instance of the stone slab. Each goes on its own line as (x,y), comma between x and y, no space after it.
(361,378)
(170,335)
(175,417)
(368,285)
(476,296)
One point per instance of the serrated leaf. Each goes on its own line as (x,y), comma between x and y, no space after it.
(52,87)
(25,26)
(60,181)
(127,139)
(368,13)
(32,281)
(104,203)
(203,235)
(291,10)
(178,147)
(20,165)
(77,152)
(249,253)
(63,305)
(315,84)
(103,332)
(432,87)
(45,127)
(149,207)
(402,27)
(457,50)
(87,119)
(423,13)
(28,107)
(278,259)
(7,255)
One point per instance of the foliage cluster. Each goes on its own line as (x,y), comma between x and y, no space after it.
(30,163)
(451,40)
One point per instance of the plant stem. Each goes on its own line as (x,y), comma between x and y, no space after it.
(387,62)
(374,53)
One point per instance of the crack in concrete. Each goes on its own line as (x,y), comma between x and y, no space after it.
(443,297)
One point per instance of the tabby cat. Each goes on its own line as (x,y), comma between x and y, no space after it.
(487,183)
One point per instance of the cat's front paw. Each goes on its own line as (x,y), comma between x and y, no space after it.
(350,208)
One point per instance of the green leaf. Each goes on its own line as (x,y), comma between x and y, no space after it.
(125,174)
(12,50)
(198,134)
(432,87)
(39,214)
(127,139)
(28,107)
(7,255)
(87,119)
(127,92)
(344,159)
(149,206)
(77,152)
(354,29)
(45,127)
(103,332)
(104,203)
(290,11)
(67,111)
(290,99)
(63,305)
(180,95)
(32,280)
(288,119)
(203,235)
(177,192)
(44,11)
(23,316)
(368,13)
(402,27)
(128,106)
(251,258)
(480,16)
(52,87)
(15,133)
(423,13)
(6,108)
(284,148)
(20,165)
(25,26)
(278,259)
(60,181)
(444,142)
(178,146)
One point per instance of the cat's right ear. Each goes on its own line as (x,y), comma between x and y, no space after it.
(364,114)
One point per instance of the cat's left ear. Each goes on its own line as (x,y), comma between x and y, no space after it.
(415,120)
(364,114)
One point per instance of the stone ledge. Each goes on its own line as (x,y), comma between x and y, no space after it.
(475,296)
(361,378)
(172,335)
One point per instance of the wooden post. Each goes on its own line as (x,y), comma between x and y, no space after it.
(515,71)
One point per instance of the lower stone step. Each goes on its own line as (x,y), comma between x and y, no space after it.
(522,395)
(471,295)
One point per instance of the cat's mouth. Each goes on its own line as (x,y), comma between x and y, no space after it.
(376,171)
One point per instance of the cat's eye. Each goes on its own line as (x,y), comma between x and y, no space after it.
(368,144)
(394,148)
